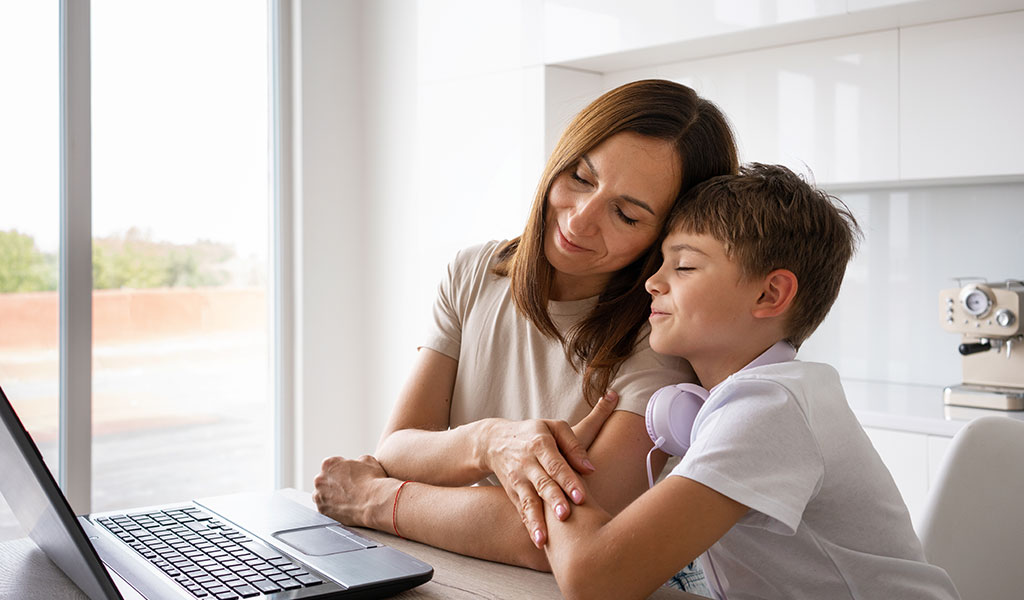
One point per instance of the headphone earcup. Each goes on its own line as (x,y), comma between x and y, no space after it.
(671,413)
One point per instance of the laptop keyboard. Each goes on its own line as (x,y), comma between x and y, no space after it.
(207,557)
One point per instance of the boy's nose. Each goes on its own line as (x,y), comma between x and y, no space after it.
(653,285)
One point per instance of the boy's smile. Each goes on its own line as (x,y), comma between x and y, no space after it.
(701,305)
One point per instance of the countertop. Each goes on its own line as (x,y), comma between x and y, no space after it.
(910,408)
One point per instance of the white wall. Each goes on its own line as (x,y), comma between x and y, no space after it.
(329,234)
(411,149)
(434,119)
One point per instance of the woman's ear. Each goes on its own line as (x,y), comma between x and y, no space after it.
(777,294)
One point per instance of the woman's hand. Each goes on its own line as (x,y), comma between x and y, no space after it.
(354,492)
(537,462)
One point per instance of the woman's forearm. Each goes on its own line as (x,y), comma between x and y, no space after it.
(452,457)
(475,521)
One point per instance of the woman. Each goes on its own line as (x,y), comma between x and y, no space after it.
(540,327)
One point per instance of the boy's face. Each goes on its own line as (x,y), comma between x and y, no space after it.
(700,302)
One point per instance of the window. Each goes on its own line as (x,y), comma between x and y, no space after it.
(182,403)
(182,370)
(29,223)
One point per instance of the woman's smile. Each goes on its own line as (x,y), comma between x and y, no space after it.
(566,244)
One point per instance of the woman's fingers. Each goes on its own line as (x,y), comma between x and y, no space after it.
(540,462)
(587,429)
(569,458)
(524,497)
(342,488)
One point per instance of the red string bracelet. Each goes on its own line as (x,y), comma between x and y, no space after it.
(394,510)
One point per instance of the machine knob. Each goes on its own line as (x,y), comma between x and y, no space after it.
(966,349)
(1005,318)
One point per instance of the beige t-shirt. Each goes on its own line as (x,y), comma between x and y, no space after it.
(508,368)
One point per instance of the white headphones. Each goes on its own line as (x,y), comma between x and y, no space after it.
(670,416)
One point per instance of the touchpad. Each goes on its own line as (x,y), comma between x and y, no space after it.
(319,541)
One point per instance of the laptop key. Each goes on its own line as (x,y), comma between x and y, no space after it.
(260,550)
(246,591)
(289,584)
(308,580)
(266,586)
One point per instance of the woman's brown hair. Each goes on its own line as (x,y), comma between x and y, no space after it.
(659,109)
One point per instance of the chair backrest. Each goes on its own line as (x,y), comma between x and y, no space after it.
(973,522)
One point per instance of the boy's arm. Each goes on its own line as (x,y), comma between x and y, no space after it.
(629,556)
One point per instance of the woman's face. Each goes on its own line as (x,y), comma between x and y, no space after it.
(606,210)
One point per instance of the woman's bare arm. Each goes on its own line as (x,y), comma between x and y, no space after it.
(480,521)
(417,443)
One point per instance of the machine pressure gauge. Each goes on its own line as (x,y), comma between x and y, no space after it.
(975,300)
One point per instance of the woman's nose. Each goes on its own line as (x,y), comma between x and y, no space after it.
(583,218)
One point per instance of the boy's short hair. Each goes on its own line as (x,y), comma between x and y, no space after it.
(770,218)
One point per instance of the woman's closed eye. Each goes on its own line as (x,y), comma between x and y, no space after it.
(579,178)
(625,218)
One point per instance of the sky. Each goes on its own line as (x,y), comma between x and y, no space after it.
(179,120)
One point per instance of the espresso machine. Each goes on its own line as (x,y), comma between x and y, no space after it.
(987,315)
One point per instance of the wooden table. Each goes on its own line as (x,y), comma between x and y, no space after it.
(27,574)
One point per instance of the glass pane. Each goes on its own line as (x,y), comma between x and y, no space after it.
(29,224)
(181,364)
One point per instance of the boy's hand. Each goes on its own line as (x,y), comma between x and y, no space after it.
(538,461)
(589,426)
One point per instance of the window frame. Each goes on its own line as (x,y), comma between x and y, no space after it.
(75,264)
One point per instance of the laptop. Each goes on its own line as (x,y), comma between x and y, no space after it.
(251,545)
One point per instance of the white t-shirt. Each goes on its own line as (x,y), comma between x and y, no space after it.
(508,368)
(826,520)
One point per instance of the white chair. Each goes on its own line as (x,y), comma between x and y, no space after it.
(973,522)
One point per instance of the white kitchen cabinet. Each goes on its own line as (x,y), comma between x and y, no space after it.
(828,106)
(906,456)
(914,460)
(575,29)
(961,89)
(938,447)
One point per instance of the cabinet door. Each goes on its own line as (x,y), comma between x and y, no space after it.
(937,449)
(829,107)
(906,456)
(961,89)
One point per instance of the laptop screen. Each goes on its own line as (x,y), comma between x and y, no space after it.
(43,511)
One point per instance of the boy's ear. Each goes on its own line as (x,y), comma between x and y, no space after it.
(777,294)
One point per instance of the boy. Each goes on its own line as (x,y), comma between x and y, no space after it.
(780,486)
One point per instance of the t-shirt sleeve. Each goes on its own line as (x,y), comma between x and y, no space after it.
(444,330)
(752,443)
(644,373)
